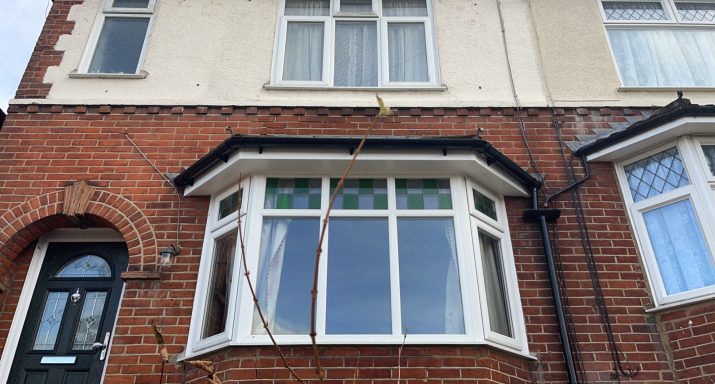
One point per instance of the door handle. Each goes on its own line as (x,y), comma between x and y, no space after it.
(102,346)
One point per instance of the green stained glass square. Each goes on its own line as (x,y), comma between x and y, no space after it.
(415,202)
(314,202)
(285,202)
(423,194)
(429,184)
(350,202)
(445,202)
(380,202)
(360,194)
(230,204)
(301,184)
(401,183)
(272,183)
(285,193)
(365,184)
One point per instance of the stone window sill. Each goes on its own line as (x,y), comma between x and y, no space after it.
(140,75)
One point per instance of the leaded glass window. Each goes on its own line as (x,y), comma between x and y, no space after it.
(230,204)
(360,194)
(52,312)
(656,174)
(85,267)
(696,12)
(634,10)
(484,204)
(89,320)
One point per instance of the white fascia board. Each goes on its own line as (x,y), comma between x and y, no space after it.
(370,163)
(656,136)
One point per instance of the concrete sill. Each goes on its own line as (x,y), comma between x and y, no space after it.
(679,304)
(134,76)
(440,88)
(664,89)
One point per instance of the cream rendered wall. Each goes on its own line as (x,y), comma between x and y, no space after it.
(577,60)
(221,52)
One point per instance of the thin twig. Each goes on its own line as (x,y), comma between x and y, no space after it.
(399,357)
(384,111)
(247,273)
(357,367)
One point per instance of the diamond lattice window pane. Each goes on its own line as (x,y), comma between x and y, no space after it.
(656,174)
(696,12)
(628,10)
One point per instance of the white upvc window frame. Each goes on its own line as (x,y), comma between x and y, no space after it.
(382,23)
(107,11)
(215,229)
(466,224)
(698,191)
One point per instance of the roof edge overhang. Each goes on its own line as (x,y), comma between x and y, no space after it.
(247,154)
(676,119)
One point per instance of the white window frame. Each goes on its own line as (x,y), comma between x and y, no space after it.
(698,191)
(672,21)
(107,11)
(328,74)
(466,224)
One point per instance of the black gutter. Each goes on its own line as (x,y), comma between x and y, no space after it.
(443,143)
(541,216)
(679,108)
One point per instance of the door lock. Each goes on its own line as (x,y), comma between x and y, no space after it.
(102,346)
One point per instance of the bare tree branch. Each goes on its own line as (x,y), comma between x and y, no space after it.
(384,111)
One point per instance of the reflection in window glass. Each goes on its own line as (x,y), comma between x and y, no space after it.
(220,284)
(709,151)
(497,301)
(679,246)
(355,54)
(358,277)
(285,274)
(85,267)
(50,321)
(429,276)
(120,45)
(89,320)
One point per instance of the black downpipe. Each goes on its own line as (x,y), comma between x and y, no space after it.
(555,292)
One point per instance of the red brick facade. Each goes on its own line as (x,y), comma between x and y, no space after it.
(44,148)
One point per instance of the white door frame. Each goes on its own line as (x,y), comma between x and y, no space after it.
(65,235)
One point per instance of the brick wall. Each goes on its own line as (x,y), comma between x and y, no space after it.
(45,147)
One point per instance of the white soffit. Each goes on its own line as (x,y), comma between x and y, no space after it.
(656,136)
(370,163)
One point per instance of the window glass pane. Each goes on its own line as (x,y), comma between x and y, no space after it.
(430,295)
(656,174)
(484,204)
(285,274)
(404,8)
(358,293)
(307,8)
(407,52)
(710,156)
(696,12)
(50,321)
(301,193)
(120,45)
(423,194)
(355,54)
(85,266)
(356,6)
(664,57)
(130,3)
(303,52)
(89,320)
(633,10)
(230,204)
(220,284)
(497,300)
(360,194)
(680,250)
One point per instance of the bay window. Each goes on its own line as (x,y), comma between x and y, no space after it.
(428,257)
(355,43)
(668,43)
(670,196)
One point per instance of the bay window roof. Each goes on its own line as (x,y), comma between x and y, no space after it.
(244,154)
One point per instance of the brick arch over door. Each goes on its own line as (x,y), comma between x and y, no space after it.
(22,225)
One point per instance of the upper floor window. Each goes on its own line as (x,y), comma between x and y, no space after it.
(671,197)
(668,43)
(355,43)
(118,40)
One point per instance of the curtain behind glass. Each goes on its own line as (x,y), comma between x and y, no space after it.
(307,8)
(664,57)
(355,54)
(303,52)
(680,250)
(407,50)
(404,8)
(497,303)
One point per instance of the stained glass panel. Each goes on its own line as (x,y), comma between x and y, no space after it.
(85,266)
(484,204)
(230,204)
(423,194)
(50,321)
(360,194)
(656,174)
(696,12)
(89,320)
(300,193)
